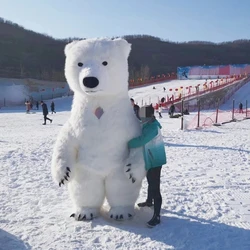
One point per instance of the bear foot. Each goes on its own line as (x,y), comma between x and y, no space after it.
(85,214)
(121,213)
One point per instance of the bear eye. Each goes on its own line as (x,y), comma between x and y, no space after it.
(104,63)
(80,64)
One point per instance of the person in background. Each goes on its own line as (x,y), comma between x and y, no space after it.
(31,105)
(154,157)
(45,112)
(159,111)
(136,108)
(52,106)
(186,112)
(37,105)
(27,104)
(240,108)
(171,109)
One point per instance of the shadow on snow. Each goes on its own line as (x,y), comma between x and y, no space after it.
(11,242)
(179,231)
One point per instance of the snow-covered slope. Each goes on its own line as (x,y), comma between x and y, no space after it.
(242,95)
(205,188)
(153,93)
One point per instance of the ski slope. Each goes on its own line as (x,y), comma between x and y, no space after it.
(149,95)
(205,187)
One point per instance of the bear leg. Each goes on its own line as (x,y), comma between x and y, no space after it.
(87,193)
(121,195)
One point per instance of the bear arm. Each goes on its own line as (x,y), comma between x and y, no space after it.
(66,147)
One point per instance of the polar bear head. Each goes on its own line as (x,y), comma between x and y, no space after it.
(97,66)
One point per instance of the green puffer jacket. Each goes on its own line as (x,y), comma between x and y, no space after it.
(152,143)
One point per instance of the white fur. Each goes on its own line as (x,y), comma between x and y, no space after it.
(95,149)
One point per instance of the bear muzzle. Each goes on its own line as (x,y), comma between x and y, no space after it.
(90,82)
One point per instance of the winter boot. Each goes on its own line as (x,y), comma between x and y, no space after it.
(154,221)
(145,204)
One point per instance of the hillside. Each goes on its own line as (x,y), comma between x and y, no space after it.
(27,54)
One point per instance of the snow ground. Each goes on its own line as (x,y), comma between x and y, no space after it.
(205,188)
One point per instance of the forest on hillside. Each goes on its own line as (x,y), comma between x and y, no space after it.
(28,54)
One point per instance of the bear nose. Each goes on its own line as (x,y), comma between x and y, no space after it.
(90,82)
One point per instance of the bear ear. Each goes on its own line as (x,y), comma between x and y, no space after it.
(68,47)
(123,45)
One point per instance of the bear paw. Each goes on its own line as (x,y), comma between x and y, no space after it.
(63,176)
(61,169)
(129,172)
(85,214)
(121,213)
(134,167)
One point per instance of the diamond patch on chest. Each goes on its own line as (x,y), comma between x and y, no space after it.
(99,112)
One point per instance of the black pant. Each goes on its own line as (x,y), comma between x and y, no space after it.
(154,193)
(46,118)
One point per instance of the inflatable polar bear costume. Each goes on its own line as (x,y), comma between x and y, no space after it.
(91,149)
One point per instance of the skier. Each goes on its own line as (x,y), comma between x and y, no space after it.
(52,106)
(45,112)
(154,157)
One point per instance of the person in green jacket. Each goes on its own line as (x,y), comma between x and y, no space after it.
(154,157)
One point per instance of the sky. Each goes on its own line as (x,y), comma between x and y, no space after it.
(178,21)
